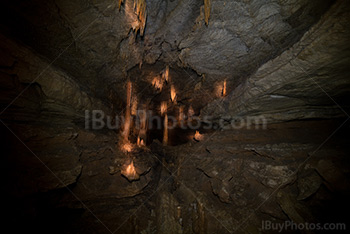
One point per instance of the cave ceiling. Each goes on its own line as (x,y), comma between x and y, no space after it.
(94,42)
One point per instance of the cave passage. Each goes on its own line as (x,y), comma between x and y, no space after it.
(175,116)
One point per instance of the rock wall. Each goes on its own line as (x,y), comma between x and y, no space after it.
(308,80)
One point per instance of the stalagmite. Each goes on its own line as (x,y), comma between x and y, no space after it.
(126,147)
(129,172)
(134,106)
(198,136)
(165,134)
(127,123)
(142,137)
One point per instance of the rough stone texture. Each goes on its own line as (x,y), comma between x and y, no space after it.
(47,93)
(70,30)
(240,187)
(96,47)
(275,55)
(293,85)
(43,117)
(243,34)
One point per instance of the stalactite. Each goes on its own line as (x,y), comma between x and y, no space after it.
(134,106)
(120,4)
(165,134)
(127,112)
(224,89)
(140,10)
(142,136)
(173,93)
(163,108)
(165,74)
(157,83)
(207,6)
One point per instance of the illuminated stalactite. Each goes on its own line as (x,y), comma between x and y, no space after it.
(120,4)
(140,10)
(127,147)
(173,93)
(134,106)
(207,6)
(163,108)
(127,112)
(224,89)
(165,74)
(165,134)
(143,118)
(157,83)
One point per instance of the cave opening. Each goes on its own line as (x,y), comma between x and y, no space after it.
(175,116)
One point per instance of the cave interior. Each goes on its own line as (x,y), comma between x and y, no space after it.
(175,116)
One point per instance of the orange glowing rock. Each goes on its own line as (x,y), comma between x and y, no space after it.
(129,171)
(221,89)
(134,106)
(198,136)
(165,133)
(172,93)
(127,147)
(157,83)
(140,10)
(120,4)
(140,142)
(224,89)
(127,123)
(163,107)
(166,73)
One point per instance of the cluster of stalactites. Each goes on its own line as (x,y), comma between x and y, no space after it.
(140,11)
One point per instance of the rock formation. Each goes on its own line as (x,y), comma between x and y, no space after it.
(266,81)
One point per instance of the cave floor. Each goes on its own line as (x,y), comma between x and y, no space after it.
(229,182)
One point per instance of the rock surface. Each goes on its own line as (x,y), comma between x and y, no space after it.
(282,61)
(93,43)
(292,85)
